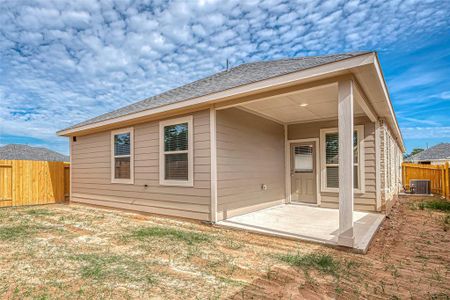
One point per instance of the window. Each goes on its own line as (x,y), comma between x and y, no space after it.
(330,159)
(176,152)
(122,160)
(303,159)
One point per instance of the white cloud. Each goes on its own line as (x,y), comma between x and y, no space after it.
(65,61)
(445,95)
(426,132)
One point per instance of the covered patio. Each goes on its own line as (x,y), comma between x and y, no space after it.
(318,207)
(309,223)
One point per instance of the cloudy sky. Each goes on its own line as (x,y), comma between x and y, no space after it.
(62,62)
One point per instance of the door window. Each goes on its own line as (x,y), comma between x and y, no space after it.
(303,159)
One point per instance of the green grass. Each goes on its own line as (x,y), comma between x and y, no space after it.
(9,233)
(39,212)
(104,266)
(189,237)
(95,266)
(319,261)
(435,204)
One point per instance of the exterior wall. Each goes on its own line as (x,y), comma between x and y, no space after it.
(439,162)
(365,201)
(391,161)
(91,173)
(250,152)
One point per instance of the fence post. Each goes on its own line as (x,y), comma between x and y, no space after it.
(404,175)
(447,181)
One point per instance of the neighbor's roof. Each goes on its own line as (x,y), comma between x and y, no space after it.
(25,152)
(237,76)
(440,151)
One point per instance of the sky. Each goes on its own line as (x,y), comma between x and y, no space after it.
(64,61)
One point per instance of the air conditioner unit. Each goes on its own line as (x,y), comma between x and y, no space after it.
(421,186)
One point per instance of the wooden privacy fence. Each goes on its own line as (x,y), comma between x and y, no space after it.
(437,174)
(27,182)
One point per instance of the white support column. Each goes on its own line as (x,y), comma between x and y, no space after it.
(70,167)
(345,124)
(287,167)
(213,147)
(377,165)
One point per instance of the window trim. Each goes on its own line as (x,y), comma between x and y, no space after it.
(361,160)
(190,152)
(130,180)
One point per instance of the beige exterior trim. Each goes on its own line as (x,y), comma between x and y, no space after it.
(70,167)
(318,171)
(346,162)
(321,120)
(255,113)
(213,141)
(361,160)
(190,151)
(364,102)
(378,165)
(113,161)
(287,162)
(280,81)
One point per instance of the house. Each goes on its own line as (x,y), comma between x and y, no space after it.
(304,148)
(436,155)
(25,152)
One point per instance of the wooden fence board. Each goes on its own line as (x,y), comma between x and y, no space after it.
(26,182)
(66,181)
(437,174)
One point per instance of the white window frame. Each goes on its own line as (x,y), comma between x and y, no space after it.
(190,152)
(361,160)
(130,180)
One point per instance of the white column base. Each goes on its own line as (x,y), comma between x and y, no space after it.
(346,238)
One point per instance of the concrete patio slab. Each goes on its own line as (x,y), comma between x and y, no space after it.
(307,223)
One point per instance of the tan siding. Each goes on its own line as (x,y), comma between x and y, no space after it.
(250,152)
(389,148)
(91,163)
(366,201)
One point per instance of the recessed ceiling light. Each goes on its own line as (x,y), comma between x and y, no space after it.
(304,104)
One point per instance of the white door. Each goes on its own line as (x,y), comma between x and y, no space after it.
(303,173)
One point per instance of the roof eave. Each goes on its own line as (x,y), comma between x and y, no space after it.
(267,84)
(388,101)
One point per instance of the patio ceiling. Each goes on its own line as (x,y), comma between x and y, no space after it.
(306,105)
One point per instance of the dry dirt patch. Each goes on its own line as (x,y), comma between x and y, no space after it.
(74,251)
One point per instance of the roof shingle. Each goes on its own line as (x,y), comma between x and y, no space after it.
(237,76)
(25,152)
(440,151)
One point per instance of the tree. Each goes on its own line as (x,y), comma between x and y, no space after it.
(413,152)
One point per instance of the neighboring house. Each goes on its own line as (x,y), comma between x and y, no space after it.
(436,155)
(256,136)
(25,152)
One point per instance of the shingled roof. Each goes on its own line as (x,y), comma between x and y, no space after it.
(237,76)
(440,151)
(25,152)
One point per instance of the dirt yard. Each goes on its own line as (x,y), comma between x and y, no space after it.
(74,251)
